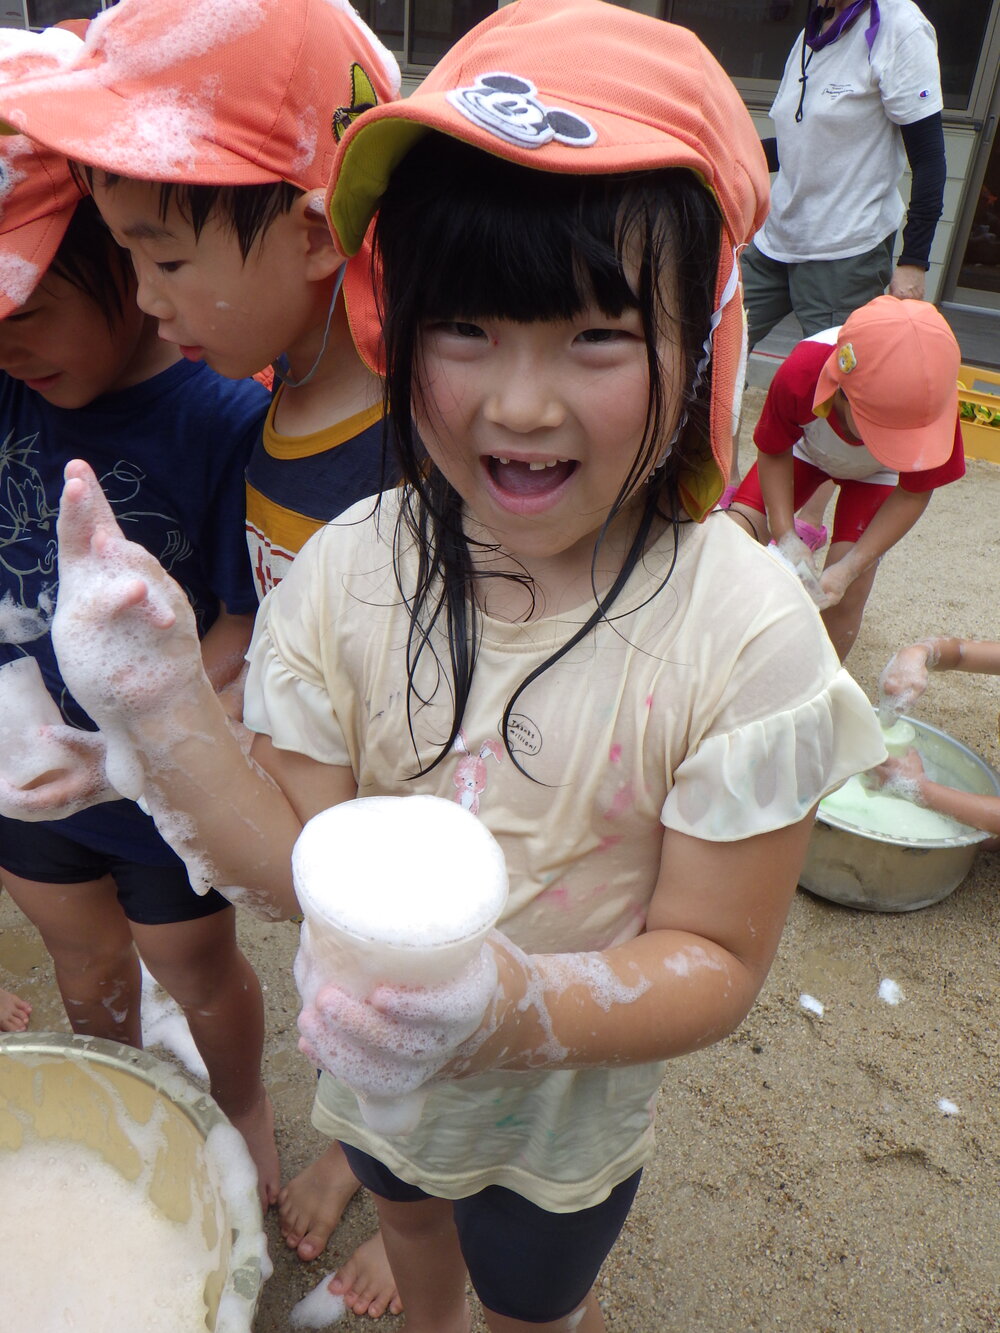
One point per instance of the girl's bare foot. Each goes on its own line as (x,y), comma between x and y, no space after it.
(366,1283)
(257,1128)
(14,1012)
(311,1205)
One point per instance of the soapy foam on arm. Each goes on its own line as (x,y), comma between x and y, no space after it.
(130,655)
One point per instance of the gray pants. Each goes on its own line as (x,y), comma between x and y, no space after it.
(821,293)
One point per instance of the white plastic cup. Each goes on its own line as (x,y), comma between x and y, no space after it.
(394,890)
(27,758)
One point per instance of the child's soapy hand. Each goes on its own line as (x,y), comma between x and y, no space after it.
(834,582)
(395,1039)
(123,631)
(76,780)
(903,679)
(901,776)
(802,560)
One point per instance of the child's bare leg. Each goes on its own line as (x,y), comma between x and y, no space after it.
(311,1205)
(586,1319)
(15,1013)
(843,621)
(814,509)
(88,938)
(200,965)
(366,1282)
(422,1245)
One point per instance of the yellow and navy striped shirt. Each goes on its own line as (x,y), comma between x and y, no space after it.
(295,484)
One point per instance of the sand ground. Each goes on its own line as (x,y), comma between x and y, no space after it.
(805,1178)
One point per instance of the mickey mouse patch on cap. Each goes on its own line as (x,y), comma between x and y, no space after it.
(846,360)
(508,106)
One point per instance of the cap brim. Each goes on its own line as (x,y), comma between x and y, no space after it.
(26,254)
(388,132)
(827,384)
(913,449)
(100,128)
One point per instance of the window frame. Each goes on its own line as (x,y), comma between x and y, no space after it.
(758,94)
(40,27)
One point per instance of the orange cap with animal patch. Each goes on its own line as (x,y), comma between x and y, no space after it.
(586,88)
(897,364)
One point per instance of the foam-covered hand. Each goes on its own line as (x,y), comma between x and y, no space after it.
(834,582)
(123,631)
(75,781)
(904,678)
(901,776)
(395,1039)
(802,560)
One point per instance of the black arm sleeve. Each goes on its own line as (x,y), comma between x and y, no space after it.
(924,145)
(770,147)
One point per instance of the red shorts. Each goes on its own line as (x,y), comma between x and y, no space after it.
(857,501)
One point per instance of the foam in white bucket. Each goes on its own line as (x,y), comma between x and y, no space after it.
(127,1200)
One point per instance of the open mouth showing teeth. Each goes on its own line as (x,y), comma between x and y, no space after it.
(536,477)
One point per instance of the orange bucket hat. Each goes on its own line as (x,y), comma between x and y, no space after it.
(38,195)
(897,363)
(586,88)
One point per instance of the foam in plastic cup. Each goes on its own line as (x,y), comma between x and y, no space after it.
(398,890)
(27,758)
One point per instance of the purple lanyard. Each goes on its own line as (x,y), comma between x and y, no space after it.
(815,40)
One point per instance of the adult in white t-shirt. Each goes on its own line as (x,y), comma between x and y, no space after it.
(860,95)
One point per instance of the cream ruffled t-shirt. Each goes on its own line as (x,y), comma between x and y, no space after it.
(714,706)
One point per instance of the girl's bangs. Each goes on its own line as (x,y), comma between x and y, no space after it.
(499,241)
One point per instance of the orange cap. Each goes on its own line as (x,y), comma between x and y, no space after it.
(211,92)
(897,363)
(38,195)
(586,88)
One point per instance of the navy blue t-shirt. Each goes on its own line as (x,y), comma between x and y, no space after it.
(170,455)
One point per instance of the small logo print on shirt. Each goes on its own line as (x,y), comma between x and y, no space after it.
(926,92)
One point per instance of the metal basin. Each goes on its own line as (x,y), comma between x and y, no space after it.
(83,1090)
(882,873)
